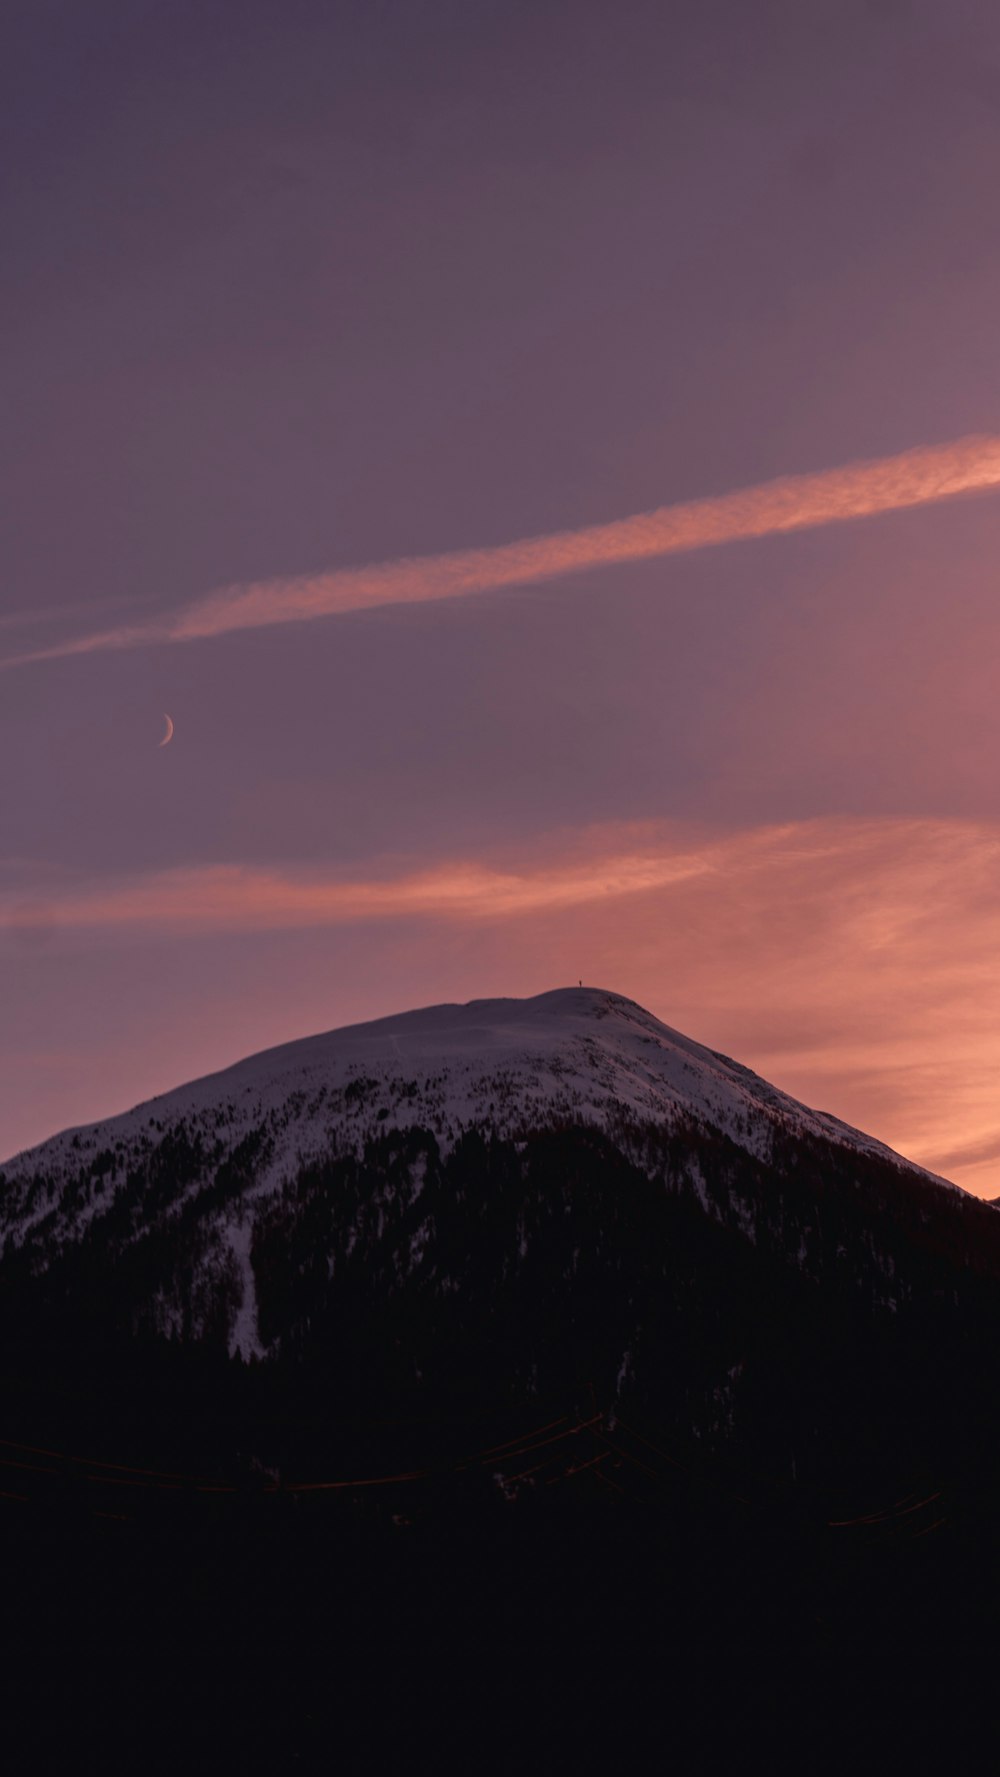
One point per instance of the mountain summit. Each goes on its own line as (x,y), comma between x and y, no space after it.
(578,1053)
(219,1149)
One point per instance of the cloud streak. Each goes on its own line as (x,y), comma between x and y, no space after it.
(794,502)
(233,898)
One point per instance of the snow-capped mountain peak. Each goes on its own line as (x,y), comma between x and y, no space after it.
(576,1052)
(200,1172)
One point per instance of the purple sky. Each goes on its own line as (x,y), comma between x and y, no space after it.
(302,287)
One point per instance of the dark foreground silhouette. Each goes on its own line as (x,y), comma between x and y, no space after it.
(670,1437)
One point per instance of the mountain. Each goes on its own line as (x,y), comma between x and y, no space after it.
(547,1259)
(218,1152)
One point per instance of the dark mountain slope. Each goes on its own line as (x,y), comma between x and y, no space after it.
(544,1303)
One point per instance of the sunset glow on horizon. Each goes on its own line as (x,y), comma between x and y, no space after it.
(855,963)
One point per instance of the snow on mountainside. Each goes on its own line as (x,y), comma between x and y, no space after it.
(576,1053)
(221,1148)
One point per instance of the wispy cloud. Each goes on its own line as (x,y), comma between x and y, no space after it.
(240,898)
(794,502)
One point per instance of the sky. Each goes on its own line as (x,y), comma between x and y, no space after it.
(545,460)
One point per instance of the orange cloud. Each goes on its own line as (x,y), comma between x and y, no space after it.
(239,898)
(794,502)
(856,963)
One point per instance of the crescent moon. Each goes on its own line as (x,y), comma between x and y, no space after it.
(170,732)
